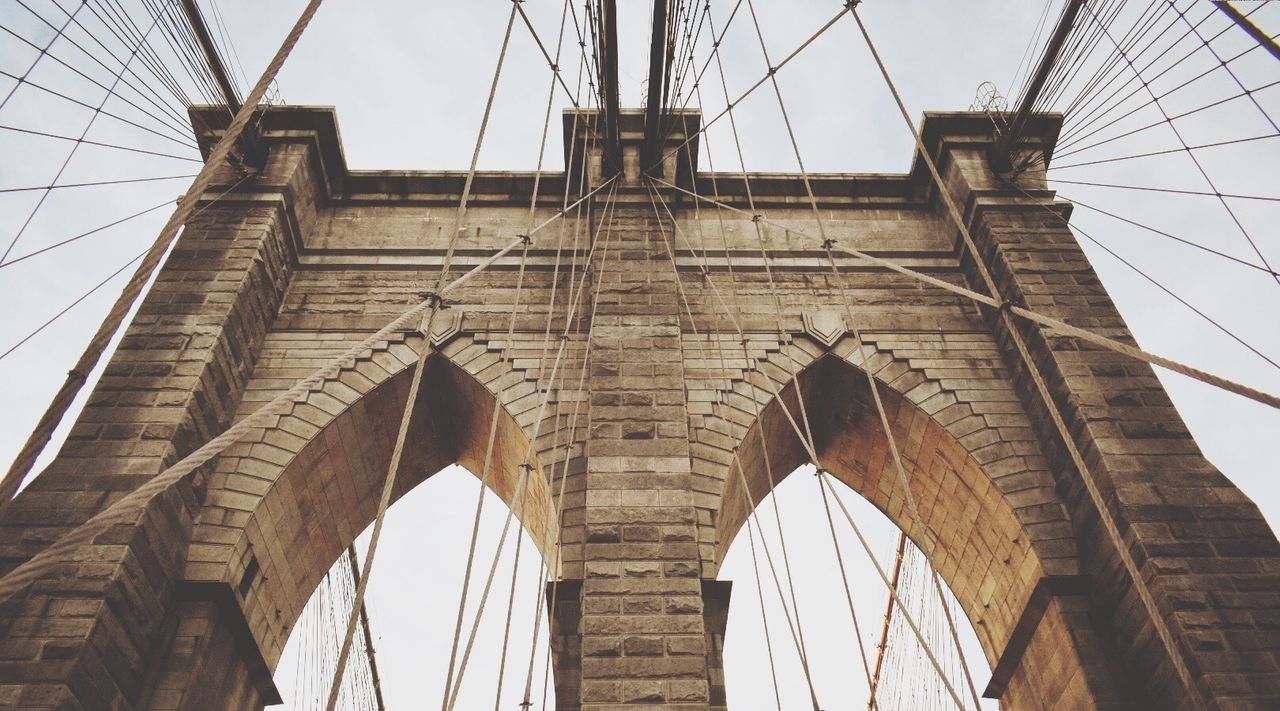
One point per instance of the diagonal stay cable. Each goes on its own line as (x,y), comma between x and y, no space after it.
(163,119)
(759,83)
(41,53)
(1175,191)
(1156,283)
(1056,324)
(1174,652)
(1167,151)
(79,141)
(1224,65)
(533,206)
(1190,154)
(1173,237)
(100,144)
(94,184)
(82,235)
(1155,124)
(185,141)
(86,295)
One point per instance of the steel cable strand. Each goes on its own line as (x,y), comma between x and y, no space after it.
(104,282)
(1223,64)
(41,52)
(97,111)
(1196,161)
(436,303)
(1210,320)
(1167,151)
(569,443)
(165,120)
(1076,136)
(158,101)
(760,237)
(735,322)
(1139,583)
(185,142)
(121,25)
(97,345)
(1108,103)
(759,83)
(526,468)
(1173,237)
(764,616)
(1147,127)
(808,442)
(1111,68)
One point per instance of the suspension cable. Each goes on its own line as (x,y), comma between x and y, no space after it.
(1104,513)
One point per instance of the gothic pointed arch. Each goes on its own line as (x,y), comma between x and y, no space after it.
(1000,542)
(280,510)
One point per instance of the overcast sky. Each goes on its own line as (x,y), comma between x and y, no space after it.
(409,80)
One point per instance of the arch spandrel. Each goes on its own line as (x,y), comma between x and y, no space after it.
(992,545)
(288,504)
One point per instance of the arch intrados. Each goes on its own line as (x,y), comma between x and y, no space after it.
(979,546)
(327,495)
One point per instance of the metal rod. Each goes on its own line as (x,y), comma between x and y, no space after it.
(888,618)
(657,84)
(228,88)
(1247,25)
(609,83)
(250,146)
(1009,139)
(368,636)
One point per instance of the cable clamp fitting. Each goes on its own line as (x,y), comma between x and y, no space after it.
(851,4)
(773,70)
(433,299)
(828,243)
(757,217)
(525,239)
(73,373)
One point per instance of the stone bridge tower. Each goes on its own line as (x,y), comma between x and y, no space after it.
(187,603)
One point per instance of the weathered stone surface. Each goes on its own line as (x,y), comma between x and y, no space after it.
(651,423)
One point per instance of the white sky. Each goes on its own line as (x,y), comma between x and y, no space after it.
(409,81)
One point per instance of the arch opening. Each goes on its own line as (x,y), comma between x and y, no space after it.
(315,503)
(983,548)
(907,679)
(412,601)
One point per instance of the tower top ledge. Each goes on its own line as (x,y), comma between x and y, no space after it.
(317,128)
